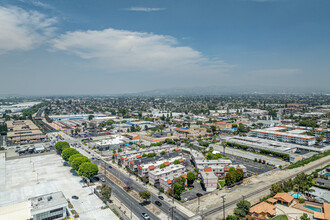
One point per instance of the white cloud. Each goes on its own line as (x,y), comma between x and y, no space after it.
(23,30)
(143,9)
(275,72)
(127,51)
(38,4)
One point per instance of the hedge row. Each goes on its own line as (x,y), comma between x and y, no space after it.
(308,160)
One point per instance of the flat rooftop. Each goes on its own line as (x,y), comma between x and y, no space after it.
(48,201)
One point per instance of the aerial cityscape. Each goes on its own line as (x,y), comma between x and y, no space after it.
(165,110)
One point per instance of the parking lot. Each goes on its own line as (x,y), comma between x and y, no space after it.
(252,167)
(21,183)
(193,193)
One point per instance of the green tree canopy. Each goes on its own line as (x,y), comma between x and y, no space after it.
(106,192)
(74,157)
(190,178)
(68,152)
(59,146)
(176,162)
(88,170)
(144,194)
(78,161)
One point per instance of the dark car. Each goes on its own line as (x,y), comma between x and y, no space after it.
(161,197)
(75,197)
(158,203)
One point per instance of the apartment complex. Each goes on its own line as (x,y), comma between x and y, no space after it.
(157,174)
(23,130)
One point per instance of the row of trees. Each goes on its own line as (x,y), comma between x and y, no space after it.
(77,161)
(302,183)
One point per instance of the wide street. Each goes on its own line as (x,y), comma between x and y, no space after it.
(127,199)
(165,207)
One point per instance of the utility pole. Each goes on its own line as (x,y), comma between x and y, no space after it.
(198,204)
(223,207)
(131,210)
(173,207)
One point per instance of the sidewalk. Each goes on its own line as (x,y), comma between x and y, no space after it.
(155,191)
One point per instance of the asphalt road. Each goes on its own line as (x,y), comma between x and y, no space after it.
(165,207)
(128,200)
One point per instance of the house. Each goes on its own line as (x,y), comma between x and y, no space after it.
(323,182)
(325,215)
(262,210)
(284,198)
(320,195)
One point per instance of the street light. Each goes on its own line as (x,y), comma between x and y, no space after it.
(172,208)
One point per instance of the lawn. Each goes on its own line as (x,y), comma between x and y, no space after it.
(281,217)
(222,183)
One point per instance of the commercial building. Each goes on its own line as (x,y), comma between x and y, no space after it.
(49,206)
(23,131)
(280,134)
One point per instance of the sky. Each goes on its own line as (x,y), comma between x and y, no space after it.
(71,47)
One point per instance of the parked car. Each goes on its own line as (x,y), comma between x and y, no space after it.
(161,197)
(158,203)
(75,197)
(102,179)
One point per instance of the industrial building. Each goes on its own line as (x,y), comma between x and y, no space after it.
(23,131)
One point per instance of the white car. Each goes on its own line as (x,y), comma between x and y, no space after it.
(145,216)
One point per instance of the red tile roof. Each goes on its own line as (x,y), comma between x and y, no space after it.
(176,149)
(207,168)
(139,167)
(151,167)
(122,158)
(169,181)
(131,162)
(181,160)
(166,163)
(138,156)
(227,168)
(184,176)
(116,154)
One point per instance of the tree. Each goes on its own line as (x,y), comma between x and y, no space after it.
(231,217)
(106,192)
(178,189)
(162,166)
(90,117)
(68,152)
(88,170)
(144,194)
(74,157)
(190,178)
(128,182)
(59,146)
(230,179)
(78,161)
(162,153)
(176,162)
(243,208)
(304,217)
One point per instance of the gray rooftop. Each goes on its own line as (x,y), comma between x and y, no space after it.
(48,201)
